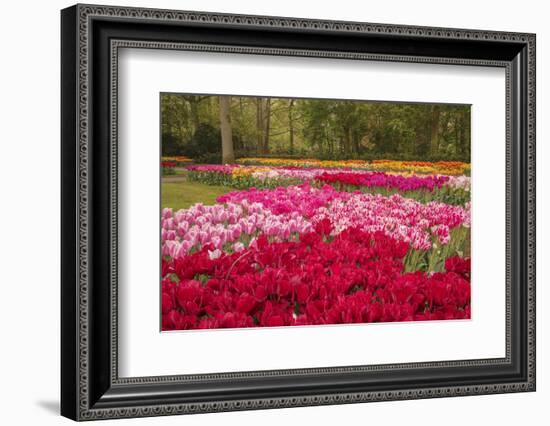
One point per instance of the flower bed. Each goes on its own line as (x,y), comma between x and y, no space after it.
(179,160)
(381,179)
(284,212)
(425,188)
(355,277)
(317,245)
(400,217)
(168,167)
(439,167)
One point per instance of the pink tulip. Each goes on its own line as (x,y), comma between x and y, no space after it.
(214,254)
(237,247)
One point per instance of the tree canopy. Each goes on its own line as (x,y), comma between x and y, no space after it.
(200,126)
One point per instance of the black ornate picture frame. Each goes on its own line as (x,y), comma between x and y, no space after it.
(91,387)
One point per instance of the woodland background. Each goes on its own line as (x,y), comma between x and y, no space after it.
(215,129)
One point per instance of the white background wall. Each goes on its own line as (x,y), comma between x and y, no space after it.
(29,211)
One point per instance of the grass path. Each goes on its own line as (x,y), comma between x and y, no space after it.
(182,194)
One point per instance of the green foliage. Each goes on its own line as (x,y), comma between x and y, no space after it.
(433,260)
(205,144)
(168,171)
(316,128)
(171,145)
(239,182)
(445,194)
(209,158)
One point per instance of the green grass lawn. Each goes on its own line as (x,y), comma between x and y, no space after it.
(183,194)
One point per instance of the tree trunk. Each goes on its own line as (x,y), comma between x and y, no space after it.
(346,140)
(445,122)
(434,138)
(291,125)
(267,125)
(209,106)
(228,157)
(417,141)
(464,134)
(356,142)
(259,124)
(194,111)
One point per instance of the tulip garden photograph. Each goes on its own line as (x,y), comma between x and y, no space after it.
(300,212)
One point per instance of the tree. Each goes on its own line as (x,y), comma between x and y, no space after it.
(267,125)
(228,156)
(318,120)
(194,103)
(291,124)
(320,128)
(204,146)
(263,123)
(175,129)
(434,139)
(463,141)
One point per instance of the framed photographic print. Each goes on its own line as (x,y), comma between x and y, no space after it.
(263,212)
